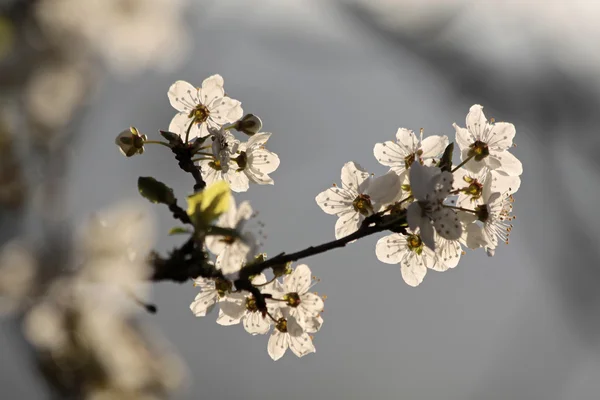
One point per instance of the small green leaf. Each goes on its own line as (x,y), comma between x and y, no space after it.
(179,230)
(207,205)
(198,143)
(171,137)
(445,163)
(155,191)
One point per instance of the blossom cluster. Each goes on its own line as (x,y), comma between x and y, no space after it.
(446,208)
(293,312)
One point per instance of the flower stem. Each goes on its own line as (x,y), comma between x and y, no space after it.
(461,209)
(266,283)
(187,133)
(462,163)
(156,142)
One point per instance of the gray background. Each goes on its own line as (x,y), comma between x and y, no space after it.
(330,81)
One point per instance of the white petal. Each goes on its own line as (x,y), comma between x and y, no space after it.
(203,302)
(335,201)
(302,345)
(225,319)
(447,224)
(263,161)
(391,155)
(314,324)
(448,254)
(475,237)
(225,110)
(311,303)
(413,270)
(353,175)
(347,224)
(421,180)
(384,190)
(244,213)
(238,181)
(183,96)
(503,183)
(434,146)
(476,121)
(391,249)
(180,123)
(463,137)
(212,89)
(233,309)
(256,324)
(258,139)
(509,164)
(259,279)
(298,281)
(501,135)
(278,344)
(407,140)
(427,235)
(414,216)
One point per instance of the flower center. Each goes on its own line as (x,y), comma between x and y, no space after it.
(223,286)
(251,304)
(409,159)
(362,204)
(483,212)
(242,161)
(475,189)
(479,150)
(415,243)
(228,239)
(199,114)
(281,325)
(216,165)
(292,299)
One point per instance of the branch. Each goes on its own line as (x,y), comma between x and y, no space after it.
(183,154)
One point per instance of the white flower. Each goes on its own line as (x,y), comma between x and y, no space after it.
(129,35)
(399,156)
(447,253)
(408,251)
(288,333)
(430,186)
(222,166)
(233,252)
(212,291)
(494,217)
(207,107)
(301,304)
(487,143)
(241,307)
(473,185)
(254,161)
(360,196)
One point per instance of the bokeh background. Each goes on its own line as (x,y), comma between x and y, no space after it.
(330,79)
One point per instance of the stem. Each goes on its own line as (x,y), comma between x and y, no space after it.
(157,142)
(461,209)
(462,163)
(266,283)
(187,133)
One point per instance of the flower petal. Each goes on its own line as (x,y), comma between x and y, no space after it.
(225,319)
(446,223)
(414,216)
(434,146)
(347,224)
(476,121)
(211,90)
(302,345)
(263,161)
(204,302)
(298,281)
(391,249)
(463,137)
(501,135)
(183,96)
(335,201)
(407,140)
(278,344)
(413,270)
(384,189)
(311,303)
(256,324)
(391,155)
(353,175)
(509,164)
(225,110)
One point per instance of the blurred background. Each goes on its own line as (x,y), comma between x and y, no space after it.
(329,79)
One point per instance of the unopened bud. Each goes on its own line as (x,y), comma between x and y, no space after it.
(282,269)
(130,142)
(250,124)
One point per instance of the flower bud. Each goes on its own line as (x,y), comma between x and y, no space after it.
(130,142)
(250,124)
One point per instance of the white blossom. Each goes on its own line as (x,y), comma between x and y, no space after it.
(241,307)
(212,291)
(287,333)
(408,251)
(254,161)
(487,143)
(400,155)
(472,185)
(360,196)
(222,166)
(430,186)
(205,108)
(302,305)
(232,252)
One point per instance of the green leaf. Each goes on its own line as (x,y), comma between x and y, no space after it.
(179,230)
(207,205)
(173,138)
(155,191)
(445,163)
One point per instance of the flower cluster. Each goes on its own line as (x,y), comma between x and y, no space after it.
(207,112)
(443,208)
(293,312)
